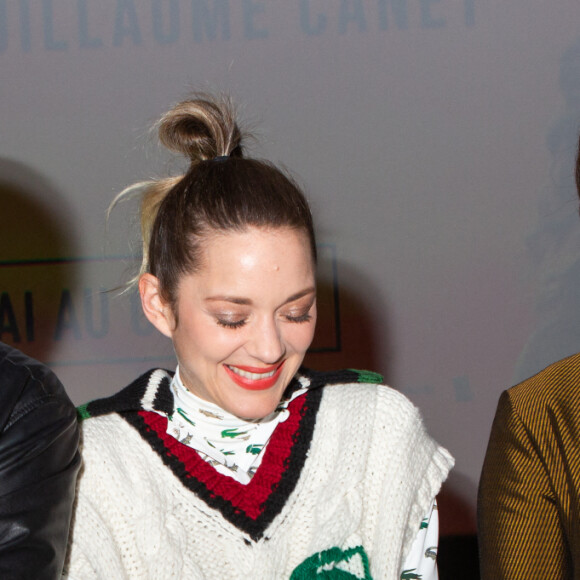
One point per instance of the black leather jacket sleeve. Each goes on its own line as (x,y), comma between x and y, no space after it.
(39,462)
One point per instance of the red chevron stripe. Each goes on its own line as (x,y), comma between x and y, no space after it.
(248,499)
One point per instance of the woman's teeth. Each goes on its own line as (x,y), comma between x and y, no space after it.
(252,376)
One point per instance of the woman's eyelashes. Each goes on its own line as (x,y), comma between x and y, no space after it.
(300,313)
(304,317)
(231,322)
(294,316)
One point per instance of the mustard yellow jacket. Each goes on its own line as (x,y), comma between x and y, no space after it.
(529,493)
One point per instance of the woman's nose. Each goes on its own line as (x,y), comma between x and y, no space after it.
(267,344)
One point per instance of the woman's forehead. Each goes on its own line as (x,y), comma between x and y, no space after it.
(253,258)
(255,245)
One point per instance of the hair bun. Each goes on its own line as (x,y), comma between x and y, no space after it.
(201,128)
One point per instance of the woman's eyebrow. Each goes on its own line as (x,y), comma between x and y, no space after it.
(300,294)
(248,302)
(234,299)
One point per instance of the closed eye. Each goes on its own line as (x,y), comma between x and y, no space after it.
(231,324)
(298,319)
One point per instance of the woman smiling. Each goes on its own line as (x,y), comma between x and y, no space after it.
(241,463)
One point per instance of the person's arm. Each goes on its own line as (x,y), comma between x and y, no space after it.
(39,462)
(520,533)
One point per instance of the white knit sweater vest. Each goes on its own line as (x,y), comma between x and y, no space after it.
(349,494)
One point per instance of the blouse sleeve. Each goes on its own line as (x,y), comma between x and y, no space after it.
(420,563)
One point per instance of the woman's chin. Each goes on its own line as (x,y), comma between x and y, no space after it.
(253,412)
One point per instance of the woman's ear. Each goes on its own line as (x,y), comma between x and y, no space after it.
(157,311)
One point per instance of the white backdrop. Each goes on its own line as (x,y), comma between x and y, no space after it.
(435,139)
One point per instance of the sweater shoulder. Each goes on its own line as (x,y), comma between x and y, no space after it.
(104,431)
(363,391)
(112,448)
(150,392)
(343,376)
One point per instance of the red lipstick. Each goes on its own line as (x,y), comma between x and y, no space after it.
(255,383)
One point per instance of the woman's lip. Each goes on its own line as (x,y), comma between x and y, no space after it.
(255,384)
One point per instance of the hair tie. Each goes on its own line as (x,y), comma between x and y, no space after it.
(221,158)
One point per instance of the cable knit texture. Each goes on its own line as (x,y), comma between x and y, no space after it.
(351,472)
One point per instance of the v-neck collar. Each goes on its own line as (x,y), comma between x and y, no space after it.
(253,506)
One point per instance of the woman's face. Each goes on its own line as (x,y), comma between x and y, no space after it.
(246,318)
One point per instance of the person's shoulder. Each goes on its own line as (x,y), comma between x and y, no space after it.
(106,421)
(339,377)
(355,384)
(26,385)
(556,386)
(360,402)
(17,366)
(148,392)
